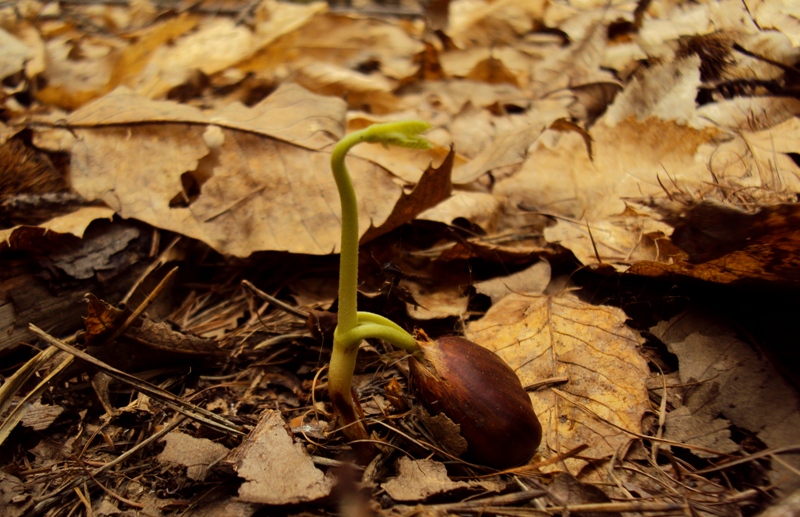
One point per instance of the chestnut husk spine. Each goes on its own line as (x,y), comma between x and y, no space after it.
(476,389)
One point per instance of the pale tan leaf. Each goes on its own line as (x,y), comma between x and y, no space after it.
(15,54)
(419,479)
(542,337)
(261,194)
(782,15)
(752,394)
(631,161)
(767,47)
(275,469)
(340,40)
(750,113)
(196,454)
(255,193)
(532,280)
(665,91)
(576,64)
(510,147)
(73,82)
(372,92)
(215,45)
(436,300)
(74,223)
(291,113)
(480,208)
(493,23)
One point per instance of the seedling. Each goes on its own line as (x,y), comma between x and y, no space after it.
(354,326)
(470,384)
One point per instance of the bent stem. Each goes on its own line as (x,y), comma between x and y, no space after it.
(354,326)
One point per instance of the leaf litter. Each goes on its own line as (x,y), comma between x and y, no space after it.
(594,145)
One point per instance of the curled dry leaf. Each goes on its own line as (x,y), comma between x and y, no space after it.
(542,337)
(74,223)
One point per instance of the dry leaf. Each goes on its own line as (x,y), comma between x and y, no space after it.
(752,394)
(372,93)
(214,45)
(783,16)
(342,40)
(496,23)
(15,54)
(39,416)
(665,91)
(197,454)
(480,208)
(74,223)
(559,178)
(434,300)
(434,187)
(698,423)
(235,190)
(275,469)
(419,479)
(532,280)
(724,244)
(542,337)
(14,498)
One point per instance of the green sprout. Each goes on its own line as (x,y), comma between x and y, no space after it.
(354,326)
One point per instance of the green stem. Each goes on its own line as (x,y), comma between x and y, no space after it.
(353,326)
(398,337)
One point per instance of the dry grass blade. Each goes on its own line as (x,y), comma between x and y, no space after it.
(190,410)
(24,404)
(14,383)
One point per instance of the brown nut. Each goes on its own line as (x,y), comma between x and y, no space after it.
(480,392)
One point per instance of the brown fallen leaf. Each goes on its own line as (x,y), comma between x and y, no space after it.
(433,187)
(419,479)
(234,189)
(724,244)
(14,497)
(531,280)
(698,423)
(196,454)
(39,416)
(495,23)
(544,336)
(74,223)
(275,469)
(15,53)
(103,320)
(752,395)
(585,195)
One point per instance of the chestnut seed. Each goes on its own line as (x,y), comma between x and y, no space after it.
(476,389)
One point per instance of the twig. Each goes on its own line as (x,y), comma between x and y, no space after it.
(274,301)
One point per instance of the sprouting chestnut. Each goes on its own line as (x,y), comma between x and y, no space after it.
(476,389)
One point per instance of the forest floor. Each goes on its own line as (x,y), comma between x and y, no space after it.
(609,204)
